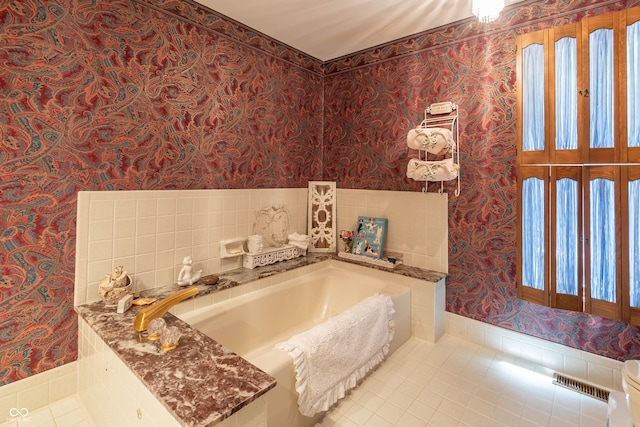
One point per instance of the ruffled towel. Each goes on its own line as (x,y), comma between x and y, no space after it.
(442,170)
(436,141)
(331,357)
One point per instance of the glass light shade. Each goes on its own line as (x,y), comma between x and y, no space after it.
(487,10)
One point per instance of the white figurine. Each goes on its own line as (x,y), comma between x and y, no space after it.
(186,276)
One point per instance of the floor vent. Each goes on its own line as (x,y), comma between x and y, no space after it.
(580,387)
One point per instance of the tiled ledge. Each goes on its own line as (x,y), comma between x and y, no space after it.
(185,389)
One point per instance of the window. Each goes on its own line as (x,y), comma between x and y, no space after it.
(578,166)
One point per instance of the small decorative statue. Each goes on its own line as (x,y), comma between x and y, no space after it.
(114,286)
(186,276)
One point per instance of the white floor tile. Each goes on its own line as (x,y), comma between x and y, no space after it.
(449,384)
(459,383)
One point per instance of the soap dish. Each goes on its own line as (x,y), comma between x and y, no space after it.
(232,247)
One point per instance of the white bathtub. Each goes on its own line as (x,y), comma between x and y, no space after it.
(251,324)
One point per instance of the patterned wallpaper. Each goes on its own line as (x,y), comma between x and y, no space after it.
(123,95)
(374,97)
(132,94)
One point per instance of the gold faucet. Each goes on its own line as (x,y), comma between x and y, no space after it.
(158,309)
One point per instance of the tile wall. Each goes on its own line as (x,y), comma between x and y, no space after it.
(150,232)
(596,370)
(418,222)
(38,390)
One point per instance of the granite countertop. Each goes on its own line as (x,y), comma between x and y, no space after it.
(216,382)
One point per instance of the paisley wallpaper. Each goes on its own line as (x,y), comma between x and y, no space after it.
(120,95)
(161,94)
(374,97)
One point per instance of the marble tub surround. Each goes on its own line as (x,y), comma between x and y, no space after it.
(200,382)
(185,379)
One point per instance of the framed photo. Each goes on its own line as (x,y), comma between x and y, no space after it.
(370,236)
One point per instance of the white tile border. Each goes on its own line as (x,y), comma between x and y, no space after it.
(40,390)
(591,368)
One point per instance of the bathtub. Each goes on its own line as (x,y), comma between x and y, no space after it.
(251,324)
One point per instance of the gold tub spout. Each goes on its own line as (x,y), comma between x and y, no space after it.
(158,309)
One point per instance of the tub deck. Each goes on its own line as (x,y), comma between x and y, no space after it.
(197,408)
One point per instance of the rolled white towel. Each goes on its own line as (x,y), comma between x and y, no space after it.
(443,170)
(436,141)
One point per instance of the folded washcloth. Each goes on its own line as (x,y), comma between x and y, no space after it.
(331,357)
(433,140)
(442,170)
(298,237)
(301,245)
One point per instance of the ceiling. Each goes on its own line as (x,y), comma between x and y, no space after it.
(328,29)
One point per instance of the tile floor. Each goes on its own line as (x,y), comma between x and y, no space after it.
(453,383)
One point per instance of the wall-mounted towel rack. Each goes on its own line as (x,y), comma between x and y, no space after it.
(437,140)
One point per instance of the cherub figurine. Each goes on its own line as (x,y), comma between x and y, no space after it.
(186,276)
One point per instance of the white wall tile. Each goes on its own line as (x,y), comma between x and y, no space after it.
(154,230)
(124,227)
(417,222)
(124,209)
(101,210)
(39,390)
(100,230)
(146,208)
(591,368)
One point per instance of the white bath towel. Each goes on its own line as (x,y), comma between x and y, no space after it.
(434,140)
(442,170)
(331,357)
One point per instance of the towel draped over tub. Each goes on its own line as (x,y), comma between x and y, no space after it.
(331,357)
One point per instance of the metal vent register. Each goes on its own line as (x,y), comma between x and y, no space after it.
(580,387)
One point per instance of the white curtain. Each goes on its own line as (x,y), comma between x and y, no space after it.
(634,242)
(601,88)
(566,94)
(633,79)
(567,236)
(603,239)
(533,207)
(533,98)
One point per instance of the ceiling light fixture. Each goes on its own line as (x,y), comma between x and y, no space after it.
(487,10)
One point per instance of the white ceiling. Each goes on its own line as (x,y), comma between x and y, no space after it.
(328,29)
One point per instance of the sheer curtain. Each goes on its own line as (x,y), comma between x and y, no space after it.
(634,242)
(603,239)
(533,233)
(633,128)
(633,77)
(601,86)
(567,236)
(533,97)
(566,94)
